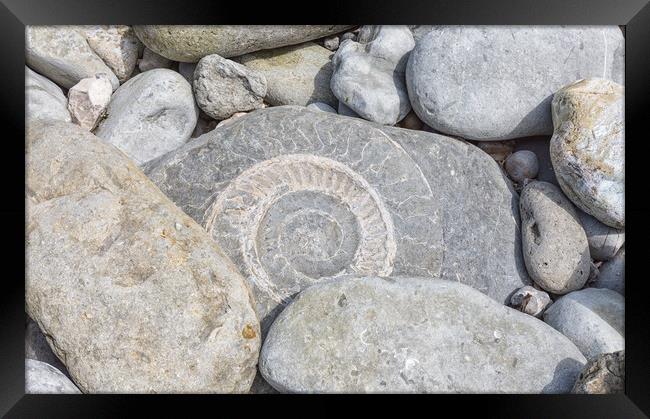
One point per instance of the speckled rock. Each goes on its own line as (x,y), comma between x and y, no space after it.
(295,196)
(88,100)
(223,87)
(611,274)
(497,82)
(412,335)
(588,147)
(41,378)
(522,165)
(603,375)
(554,243)
(594,319)
(150,115)
(296,75)
(150,60)
(44,99)
(134,295)
(604,241)
(320,106)
(191,43)
(62,54)
(530,300)
(369,75)
(116,45)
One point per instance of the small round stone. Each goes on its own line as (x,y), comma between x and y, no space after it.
(530,300)
(331,43)
(522,165)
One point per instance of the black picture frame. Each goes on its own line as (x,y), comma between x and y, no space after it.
(16,14)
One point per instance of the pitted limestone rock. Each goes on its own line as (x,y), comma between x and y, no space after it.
(295,196)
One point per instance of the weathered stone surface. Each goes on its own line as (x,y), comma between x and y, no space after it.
(497,82)
(296,75)
(150,60)
(530,300)
(594,319)
(588,147)
(415,335)
(603,375)
(36,347)
(88,100)
(554,243)
(133,294)
(191,43)
(604,241)
(223,87)
(611,274)
(62,54)
(369,75)
(522,165)
(294,196)
(41,378)
(150,115)
(116,45)
(44,99)
(320,106)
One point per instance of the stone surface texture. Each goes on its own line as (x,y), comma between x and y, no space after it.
(603,375)
(412,335)
(150,115)
(588,147)
(44,99)
(42,378)
(133,295)
(295,196)
(496,82)
(116,45)
(522,165)
(88,100)
(604,241)
(191,43)
(530,301)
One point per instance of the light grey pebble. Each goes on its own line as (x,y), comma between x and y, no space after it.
(530,301)
(44,99)
(604,241)
(554,243)
(62,54)
(611,274)
(496,82)
(42,378)
(588,147)
(594,319)
(540,146)
(150,115)
(223,87)
(368,75)
(412,335)
(522,165)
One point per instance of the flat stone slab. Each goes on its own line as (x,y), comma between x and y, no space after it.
(412,335)
(294,195)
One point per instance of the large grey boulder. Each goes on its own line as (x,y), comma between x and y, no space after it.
(369,75)
(554,243)
(296,75)
(588,147)
(412,335)
(116,45)
(611,274)
(604,241)
(150,115)
(497,82)
(42,378)
(191,43)
(294,196)
(62,54)
(134,296)
(594,319)
(223,87)
(44,99)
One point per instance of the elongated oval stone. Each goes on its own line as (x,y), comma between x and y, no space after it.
(415,335)
(133,295)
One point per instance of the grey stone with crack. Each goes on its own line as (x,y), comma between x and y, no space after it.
(44,99)
(42,378)
(368,75)
(496,82)
(294,196)
(594,319)
(412,335)
(134,295)
(191,43)
(554,243)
